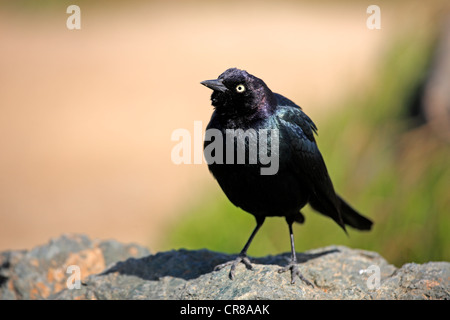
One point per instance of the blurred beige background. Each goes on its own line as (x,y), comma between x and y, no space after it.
(86,115)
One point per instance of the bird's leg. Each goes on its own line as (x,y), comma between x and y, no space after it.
(293,265)
(242,257)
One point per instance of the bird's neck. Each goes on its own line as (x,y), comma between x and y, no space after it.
(233,119)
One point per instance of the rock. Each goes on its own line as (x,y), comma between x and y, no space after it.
(111,270)
(41,272)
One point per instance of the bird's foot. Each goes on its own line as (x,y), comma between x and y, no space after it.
(241,258)
(293,267)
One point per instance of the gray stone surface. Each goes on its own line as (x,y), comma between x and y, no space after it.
(111,270)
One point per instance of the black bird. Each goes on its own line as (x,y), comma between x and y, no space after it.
(243,101)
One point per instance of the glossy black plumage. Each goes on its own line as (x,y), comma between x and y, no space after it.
(242,101)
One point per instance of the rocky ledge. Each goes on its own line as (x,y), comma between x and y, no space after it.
(76,267)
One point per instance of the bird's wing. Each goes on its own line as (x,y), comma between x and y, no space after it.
(306,160)
(305,156)
(307,125)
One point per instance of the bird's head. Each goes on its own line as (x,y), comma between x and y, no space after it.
(240,93)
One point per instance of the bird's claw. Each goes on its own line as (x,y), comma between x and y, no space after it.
(293,267)
(241,258)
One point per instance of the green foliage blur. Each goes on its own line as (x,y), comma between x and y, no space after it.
(392,171)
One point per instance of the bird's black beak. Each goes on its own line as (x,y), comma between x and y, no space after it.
(216,85)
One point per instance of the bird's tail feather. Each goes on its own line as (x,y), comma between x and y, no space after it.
(352,218)
(324,205)
(341,212)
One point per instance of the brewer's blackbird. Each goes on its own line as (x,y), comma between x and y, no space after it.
(243,101)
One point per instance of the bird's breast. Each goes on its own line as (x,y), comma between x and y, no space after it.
(251,172)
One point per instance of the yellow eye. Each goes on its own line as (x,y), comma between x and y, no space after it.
(240,88)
